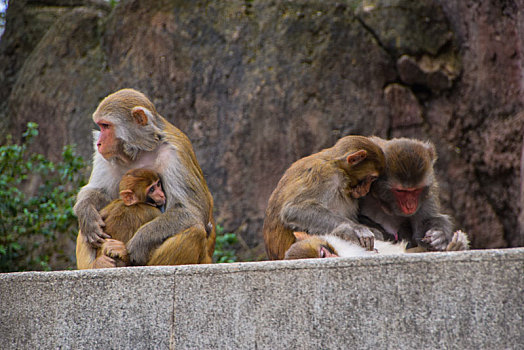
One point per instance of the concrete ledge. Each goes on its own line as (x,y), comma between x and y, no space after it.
(466,300)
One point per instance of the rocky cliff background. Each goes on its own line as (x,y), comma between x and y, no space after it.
(258,84)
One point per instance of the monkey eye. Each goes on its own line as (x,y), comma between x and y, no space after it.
(151,189)
(103,126)
(325,251)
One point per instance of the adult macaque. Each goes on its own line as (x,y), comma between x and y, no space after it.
(133,135)
(328,246)
(141,200)
(318,195)
(404,201)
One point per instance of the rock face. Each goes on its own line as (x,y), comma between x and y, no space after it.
(257,85)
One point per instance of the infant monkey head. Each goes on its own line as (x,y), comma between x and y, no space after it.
(142,186)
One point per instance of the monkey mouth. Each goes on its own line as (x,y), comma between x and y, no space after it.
(408,209)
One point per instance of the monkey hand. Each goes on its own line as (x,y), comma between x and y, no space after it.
(356,233)
(435,240)
(458,242)
(103,261)
(137,250)
(91,225)
(115,249)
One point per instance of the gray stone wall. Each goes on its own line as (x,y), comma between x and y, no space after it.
(466,300)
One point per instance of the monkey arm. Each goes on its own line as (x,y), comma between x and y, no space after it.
(431,228)
(154,233)
(311,216)
(315,218)
(89,202)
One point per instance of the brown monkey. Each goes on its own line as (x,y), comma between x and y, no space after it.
(141,200)
(318,194)
(404,201)
(329,246)
(134,135)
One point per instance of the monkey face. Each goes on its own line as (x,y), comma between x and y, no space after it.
(407,199)
(108,145)
(156,194)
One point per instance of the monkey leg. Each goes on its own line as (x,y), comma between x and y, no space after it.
(186,247)
(85,253)
(278,242)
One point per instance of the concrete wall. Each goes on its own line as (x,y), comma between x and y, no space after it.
(467,300)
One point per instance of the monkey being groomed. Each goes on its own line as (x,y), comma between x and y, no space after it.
(329,246)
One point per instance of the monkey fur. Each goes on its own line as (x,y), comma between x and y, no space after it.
(328,246)
(404,201)
(318,195)
(141,200)
(134,135)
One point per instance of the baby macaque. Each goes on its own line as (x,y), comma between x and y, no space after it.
(141,200)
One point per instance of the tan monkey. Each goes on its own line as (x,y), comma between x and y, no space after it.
(404,201)
(318,194)
(134,135)
(141,200)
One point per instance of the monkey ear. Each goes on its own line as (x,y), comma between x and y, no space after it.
(432,151)
(140,114)
(300,236)
(356,157)
(128,197)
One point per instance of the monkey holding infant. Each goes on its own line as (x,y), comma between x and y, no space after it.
(134,135)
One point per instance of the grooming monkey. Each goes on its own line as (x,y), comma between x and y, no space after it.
(134,135)
(318,195)
(141,200)
(403,203)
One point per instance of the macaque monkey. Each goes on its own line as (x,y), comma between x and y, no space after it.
(141,200)
(134,135)
(329,246)
(404,201)
(318,195)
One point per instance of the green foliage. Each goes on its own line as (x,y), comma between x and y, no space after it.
(225,246)
(31,223)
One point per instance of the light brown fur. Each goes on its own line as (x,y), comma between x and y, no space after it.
(317,194)
(137,136)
